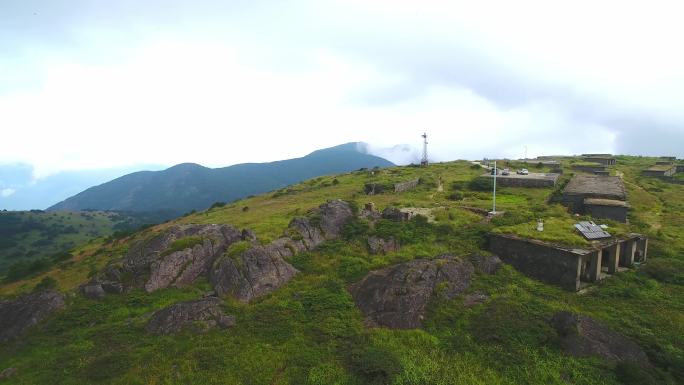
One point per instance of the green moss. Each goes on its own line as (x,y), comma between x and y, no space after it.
(182,244)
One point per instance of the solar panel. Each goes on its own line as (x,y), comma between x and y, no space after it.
(591,230)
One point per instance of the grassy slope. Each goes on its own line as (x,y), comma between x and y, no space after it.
(31,235)
(310,332)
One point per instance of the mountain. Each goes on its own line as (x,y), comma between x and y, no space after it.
(189,186)
(19,190)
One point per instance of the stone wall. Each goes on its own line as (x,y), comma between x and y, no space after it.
(660,173)
(406,186)
(539,260)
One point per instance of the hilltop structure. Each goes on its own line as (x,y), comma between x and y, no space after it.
(597,195)
(572,268)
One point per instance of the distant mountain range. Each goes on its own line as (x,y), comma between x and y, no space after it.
(190,186)
(19,190)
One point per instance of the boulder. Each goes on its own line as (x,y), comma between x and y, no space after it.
(580,335)
(18,315)
(255,272)
(262,269)
(394,214)
(396,297)
(377,245)
(486,264)
(92,290)
(199,315)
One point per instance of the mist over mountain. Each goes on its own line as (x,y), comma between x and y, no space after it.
(21,190)
(188,186)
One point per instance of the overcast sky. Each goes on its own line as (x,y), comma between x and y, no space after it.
(95,84)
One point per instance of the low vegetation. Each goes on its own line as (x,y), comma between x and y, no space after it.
(310,332)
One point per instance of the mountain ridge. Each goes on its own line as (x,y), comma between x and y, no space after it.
(189,186)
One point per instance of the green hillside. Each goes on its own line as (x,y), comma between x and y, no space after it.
(309,331)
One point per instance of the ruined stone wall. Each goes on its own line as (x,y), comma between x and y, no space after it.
(406,186)
(543,262)
(615,213)
(659,173)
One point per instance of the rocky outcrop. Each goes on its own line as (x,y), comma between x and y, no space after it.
(473,299)
(377,245)
(18,315)
(486,264)
(200,315)
(396,297)
(254,273)
(580,335)
(160,262)
(92,290)
(262,269)
(8,373)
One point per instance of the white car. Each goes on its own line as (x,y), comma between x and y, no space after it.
(523,171)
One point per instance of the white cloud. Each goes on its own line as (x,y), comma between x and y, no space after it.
(221,84)
(7,192)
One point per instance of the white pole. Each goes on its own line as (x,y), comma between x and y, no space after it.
(494,206)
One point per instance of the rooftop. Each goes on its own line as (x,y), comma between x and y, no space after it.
(660,167)
(597,186)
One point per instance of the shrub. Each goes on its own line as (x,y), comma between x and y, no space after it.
(377,365)
(352,269)
(246,208)
(481,184)
(182,244)
(355,229)
(217,205)
(630,373)
(475,166)
(667,270)
(46,283)
(456,196)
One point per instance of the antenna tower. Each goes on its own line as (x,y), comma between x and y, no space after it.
(424,161)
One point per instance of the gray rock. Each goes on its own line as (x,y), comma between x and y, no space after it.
(248,235)
(486,264)
(199,315)
(580,336)
(112,287)
(394,214)
(92,290)
(18,315)
(256,272)
(148,265)
(396,297)
(262,269)
(377,245)
(7,373)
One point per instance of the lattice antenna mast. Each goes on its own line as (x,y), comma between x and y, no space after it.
(424,161)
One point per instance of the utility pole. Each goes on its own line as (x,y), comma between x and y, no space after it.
(525,153)
(494,196)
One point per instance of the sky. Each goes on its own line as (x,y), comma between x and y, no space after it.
(111,84)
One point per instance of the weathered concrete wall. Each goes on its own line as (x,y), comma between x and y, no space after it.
(615,213)
(600,160)
(406,186)
(587,168)
(680,168)
(538,260)
(520,181)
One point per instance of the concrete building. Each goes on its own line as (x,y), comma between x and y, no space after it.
(666,170)
(604,159)
(596,195)
(571,268)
